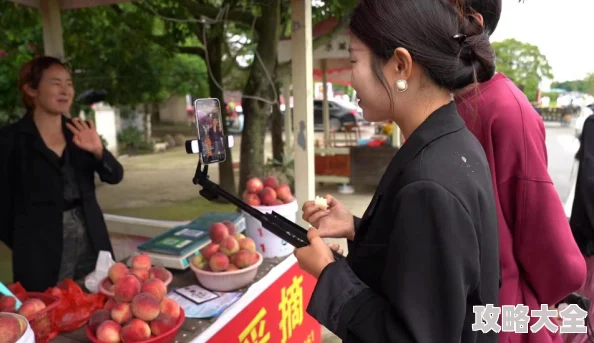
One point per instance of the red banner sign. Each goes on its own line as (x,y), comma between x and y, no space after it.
(277,315)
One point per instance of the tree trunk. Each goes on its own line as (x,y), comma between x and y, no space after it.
(256,112)
(147,123)
(276,128)
(215,41)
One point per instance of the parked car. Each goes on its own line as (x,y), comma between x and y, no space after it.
(235,124)
(584,112)
(341,113)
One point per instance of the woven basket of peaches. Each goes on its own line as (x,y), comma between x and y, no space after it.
(229,262)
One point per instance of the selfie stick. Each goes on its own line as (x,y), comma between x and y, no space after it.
(273,222)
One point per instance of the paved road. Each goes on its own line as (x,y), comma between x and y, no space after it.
(561,147)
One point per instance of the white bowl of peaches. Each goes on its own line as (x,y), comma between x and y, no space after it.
(228,263)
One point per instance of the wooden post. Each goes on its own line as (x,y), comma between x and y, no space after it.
(302,74)
(325,107)
(53,44)
(288,116)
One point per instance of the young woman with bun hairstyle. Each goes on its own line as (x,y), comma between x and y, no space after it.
(49,215)
(426,250)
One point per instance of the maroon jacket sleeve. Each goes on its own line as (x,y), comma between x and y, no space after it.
(543,242)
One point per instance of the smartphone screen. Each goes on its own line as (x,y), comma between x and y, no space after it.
(210,130)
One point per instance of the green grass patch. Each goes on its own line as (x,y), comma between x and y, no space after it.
(178,211)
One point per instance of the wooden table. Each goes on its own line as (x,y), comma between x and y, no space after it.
(203,330)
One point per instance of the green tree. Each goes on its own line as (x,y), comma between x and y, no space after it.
(523,63)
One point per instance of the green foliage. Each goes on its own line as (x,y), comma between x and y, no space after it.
(131,140)
(116,48)
(585,86)
(523,63)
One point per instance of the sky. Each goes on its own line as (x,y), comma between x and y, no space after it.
(562,29)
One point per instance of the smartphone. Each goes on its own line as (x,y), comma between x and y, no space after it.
(210,130)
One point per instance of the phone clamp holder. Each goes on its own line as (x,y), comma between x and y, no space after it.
(273,222)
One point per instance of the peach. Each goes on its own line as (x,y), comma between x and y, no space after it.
(162,324)
(145,306)
(229,246)
(271,182)
(7,303)
(247,244)
(198,260)
(242,259)
(239,236)
(109,332)
(252,199)
(155,287)
(232,267)
(170,307)
(219,262)
(254,185)
(159,273)
(109,304)
(127,288)
(283,192)
(276,202)
(141,274)
(142,261)
(117,271)
(97,318)
(30,307)
(121,313)
(209,250)
(230,226)
(255,258)
(289,201)
(136,331)
(267,195)
(11,329)
(217,232)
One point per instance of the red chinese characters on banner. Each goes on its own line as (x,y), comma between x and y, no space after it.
(277,315)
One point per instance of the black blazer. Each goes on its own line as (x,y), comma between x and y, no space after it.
(582,212)
(31,201)
(425,251)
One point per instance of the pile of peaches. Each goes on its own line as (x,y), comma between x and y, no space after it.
(28,309)
(139,308)
(228,250)
(267,193)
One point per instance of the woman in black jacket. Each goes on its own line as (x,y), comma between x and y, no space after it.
(49,215)
(425,252)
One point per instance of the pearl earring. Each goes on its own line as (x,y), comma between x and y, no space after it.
(401,86)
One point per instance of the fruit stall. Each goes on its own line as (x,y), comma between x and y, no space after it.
(218,278)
